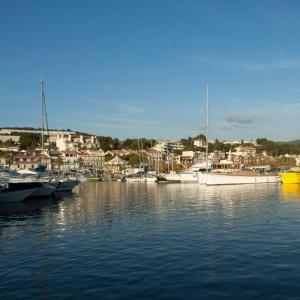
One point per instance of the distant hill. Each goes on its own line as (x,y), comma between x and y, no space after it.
(33,128)
(295,142)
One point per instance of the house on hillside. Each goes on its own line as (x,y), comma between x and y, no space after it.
(244,151)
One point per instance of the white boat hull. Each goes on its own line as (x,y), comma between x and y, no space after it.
(230,179)
(151,179)
(188,177)
(202,177)
(137,179)
(172,177)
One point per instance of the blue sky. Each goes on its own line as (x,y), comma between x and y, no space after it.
(138,68)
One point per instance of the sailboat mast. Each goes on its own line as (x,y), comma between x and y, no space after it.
(206,127)
(42,118)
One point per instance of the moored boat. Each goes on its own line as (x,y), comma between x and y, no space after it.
(150,178)
(10,195)
(172,177)
(42,188)
(290,177)
(67,185)
(241,177)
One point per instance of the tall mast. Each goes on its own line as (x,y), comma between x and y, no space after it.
(206,127)
(42,117)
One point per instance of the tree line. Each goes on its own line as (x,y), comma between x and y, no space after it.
(108,143)
(278,148)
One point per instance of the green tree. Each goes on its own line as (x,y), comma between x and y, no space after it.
(29,140)
(59,162)
(80,162)
(133,159)
(9,161)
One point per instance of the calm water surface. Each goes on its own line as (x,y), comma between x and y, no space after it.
(138,241)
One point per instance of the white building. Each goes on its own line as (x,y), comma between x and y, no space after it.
(244,151)
(188,154)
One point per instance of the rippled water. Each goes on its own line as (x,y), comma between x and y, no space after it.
(138,241)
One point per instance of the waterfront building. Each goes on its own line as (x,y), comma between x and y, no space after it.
(92,159)
(116,165)
(6,137)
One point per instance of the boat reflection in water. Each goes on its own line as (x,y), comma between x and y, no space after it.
(290,191)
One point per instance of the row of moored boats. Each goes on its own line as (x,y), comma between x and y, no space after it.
(198,174)
(15,188)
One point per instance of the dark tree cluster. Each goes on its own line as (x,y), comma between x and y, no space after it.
(30,140)
(278,148)
(7,143)
(109,143)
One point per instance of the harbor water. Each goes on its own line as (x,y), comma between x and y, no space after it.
(156,241)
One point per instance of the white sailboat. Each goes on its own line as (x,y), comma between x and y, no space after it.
(171,176)
(192,174)
(240,177)
(231,178)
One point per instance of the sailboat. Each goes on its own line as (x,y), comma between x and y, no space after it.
(53,185)
(44,186)
(17,188)
(204,168)
(171,176)
(240,177)
(235,177)
(140,175)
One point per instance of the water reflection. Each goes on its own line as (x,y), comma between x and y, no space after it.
(290,192)
(117,240)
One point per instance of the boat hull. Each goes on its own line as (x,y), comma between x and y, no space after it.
(290,177)
(172,178)
(67,185)
(7,196)
(42,189)
(202,178)
(228,179)
(151,179)
(47,189)
(188,177)
(135,179)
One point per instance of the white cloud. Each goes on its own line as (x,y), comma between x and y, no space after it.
(238,119)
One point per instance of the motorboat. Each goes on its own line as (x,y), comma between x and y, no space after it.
(291,176)
(42,188)
(8,194)
(67,185)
